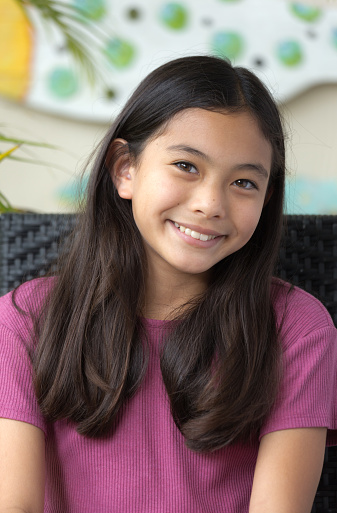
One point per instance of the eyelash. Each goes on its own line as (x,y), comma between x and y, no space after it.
(252,184)
(182,163)
(187,164)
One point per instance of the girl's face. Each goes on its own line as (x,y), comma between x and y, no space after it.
(198,190)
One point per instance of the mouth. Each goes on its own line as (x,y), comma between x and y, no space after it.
(194,234)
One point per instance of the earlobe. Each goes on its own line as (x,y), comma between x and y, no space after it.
(120,171)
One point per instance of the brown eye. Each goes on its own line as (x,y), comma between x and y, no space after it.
(186,166)
(245,184)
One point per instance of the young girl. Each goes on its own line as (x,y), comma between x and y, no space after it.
(164,369)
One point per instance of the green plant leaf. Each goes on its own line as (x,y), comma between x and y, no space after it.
(7,153)
(81,35)
(41,163)
(13,140)
(5,205)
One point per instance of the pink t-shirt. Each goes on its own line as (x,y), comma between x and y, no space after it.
(145,467)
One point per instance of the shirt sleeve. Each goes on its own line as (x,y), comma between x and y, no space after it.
(308,390)
(17,395)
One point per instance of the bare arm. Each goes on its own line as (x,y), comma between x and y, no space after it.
(21,467)
(287,471)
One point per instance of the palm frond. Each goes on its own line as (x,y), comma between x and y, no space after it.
(49,165)
(7,153)
(13,140)
(81,35)
(5,205)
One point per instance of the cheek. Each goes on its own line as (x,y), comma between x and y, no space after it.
(167,194)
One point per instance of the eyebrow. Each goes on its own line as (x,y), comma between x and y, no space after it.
(257,167)
(189,149)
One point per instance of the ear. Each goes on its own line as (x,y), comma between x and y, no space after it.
(121,170)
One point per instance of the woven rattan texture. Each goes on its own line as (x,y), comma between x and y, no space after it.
(29,244)
(308,257)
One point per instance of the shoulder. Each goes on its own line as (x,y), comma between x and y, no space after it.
(298,313)
(308,339)
(19,307)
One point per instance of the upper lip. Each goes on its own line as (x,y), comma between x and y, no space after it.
(199,229)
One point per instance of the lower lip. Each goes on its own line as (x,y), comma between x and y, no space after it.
(197,243)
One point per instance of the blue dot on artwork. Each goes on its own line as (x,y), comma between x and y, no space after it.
(227,44)
(290,53)
(174,16)
(119,52)
(63,83)
(305,12)
(91,9)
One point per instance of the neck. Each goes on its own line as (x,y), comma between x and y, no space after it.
(166,294)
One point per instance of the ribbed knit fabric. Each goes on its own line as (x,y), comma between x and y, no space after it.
(144,466)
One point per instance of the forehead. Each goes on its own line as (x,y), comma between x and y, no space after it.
(218,133)
(216,119)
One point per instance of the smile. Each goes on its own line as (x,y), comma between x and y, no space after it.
(194,234)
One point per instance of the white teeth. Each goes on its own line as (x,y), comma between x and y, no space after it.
(194,234)
(181,228)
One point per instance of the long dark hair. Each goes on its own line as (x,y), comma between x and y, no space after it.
(220,363)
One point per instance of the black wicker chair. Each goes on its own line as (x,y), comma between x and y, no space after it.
(29,245)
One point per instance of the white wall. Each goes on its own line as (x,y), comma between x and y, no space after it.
(310,123)
(33,186)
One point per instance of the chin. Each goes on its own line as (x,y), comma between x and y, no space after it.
(193,269)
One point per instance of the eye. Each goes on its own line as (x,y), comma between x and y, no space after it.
(186,166)
(245,184)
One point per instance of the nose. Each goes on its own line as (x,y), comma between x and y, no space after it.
(209,200)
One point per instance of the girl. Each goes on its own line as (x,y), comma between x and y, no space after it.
(164,369)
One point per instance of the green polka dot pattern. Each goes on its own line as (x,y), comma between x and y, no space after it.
(174,16)
(290,53)
(306,12)
(63,83)
(92,9)
(120,52)
(227,44)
